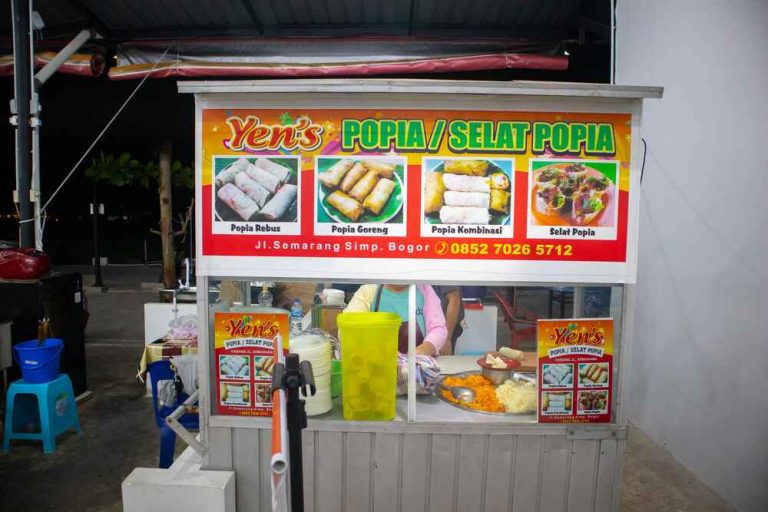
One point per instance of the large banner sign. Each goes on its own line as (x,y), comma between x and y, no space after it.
(526,196)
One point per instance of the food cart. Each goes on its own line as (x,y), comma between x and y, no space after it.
(464,195)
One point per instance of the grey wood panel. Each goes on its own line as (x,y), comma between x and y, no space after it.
(415,472)
(318,12)
(353,10)
(402,10)
(283,12)
(301,11)
(387,463)
(621,447)
(525,489)
(473,463)
(500,472)
(265,450)
(371,11)
(336,11)
(219,449)
(584,463)
(245,458)
(308,456)
(554,478)
(443,473)
(387,11)
(328,472)
(267,16)
(357,463)
(606,471)
(423,12)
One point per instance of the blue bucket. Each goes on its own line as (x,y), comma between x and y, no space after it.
(39,362)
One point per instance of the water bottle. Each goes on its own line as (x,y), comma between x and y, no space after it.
(265,297)
(296,317)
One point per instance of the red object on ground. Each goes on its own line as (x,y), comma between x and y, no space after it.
(23,263)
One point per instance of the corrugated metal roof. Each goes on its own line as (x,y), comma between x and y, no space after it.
(131,19)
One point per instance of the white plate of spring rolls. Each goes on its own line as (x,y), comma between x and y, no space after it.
(359,190)
(467,191)
(260,189)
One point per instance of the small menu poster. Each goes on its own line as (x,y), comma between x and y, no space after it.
(245,350)
(575,366)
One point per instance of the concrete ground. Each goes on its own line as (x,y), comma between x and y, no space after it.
(119,433)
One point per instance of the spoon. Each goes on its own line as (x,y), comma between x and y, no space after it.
(463,393)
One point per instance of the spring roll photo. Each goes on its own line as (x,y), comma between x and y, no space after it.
(263,178)
(280,203)
(259,194)
(433,192)
(477,199)
(459,183)
(346,205)
(549,199)
(379,196)
(385,169)
(353,176)
(500,181)
(467,167)
(500,201)
(464,215)
(277,170)
(363,187)
(333,176)
(228,174)
(233,197)
(586,206)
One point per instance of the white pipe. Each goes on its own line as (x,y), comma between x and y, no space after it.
(412,352)
(49,69)
(36,176)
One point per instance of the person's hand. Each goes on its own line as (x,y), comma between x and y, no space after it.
(426,349)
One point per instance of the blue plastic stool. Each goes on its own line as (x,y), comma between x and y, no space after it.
(50,406)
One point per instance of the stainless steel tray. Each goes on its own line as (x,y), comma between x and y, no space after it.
(476,411)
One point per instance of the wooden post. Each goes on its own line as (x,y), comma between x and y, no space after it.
(166,217)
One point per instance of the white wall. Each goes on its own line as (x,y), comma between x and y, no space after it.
(700,362)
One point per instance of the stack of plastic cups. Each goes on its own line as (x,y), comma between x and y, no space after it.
(317,350)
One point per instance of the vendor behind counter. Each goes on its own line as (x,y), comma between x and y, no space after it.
(431,331)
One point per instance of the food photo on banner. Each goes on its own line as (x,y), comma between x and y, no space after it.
(256,194)
(467,196)
(362,194)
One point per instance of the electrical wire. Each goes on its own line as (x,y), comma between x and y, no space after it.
(103,131)
(645,151)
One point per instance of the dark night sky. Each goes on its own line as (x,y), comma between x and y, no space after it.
(75,109)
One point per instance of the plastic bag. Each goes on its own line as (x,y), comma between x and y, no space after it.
(23,263)
(186,369)
(427,374)
(183,328)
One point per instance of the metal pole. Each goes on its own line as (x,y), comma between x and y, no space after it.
(39,79)
(22,78)
(294,451)
(96,258)
(35,192)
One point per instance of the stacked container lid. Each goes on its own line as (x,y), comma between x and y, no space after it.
(317,350)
